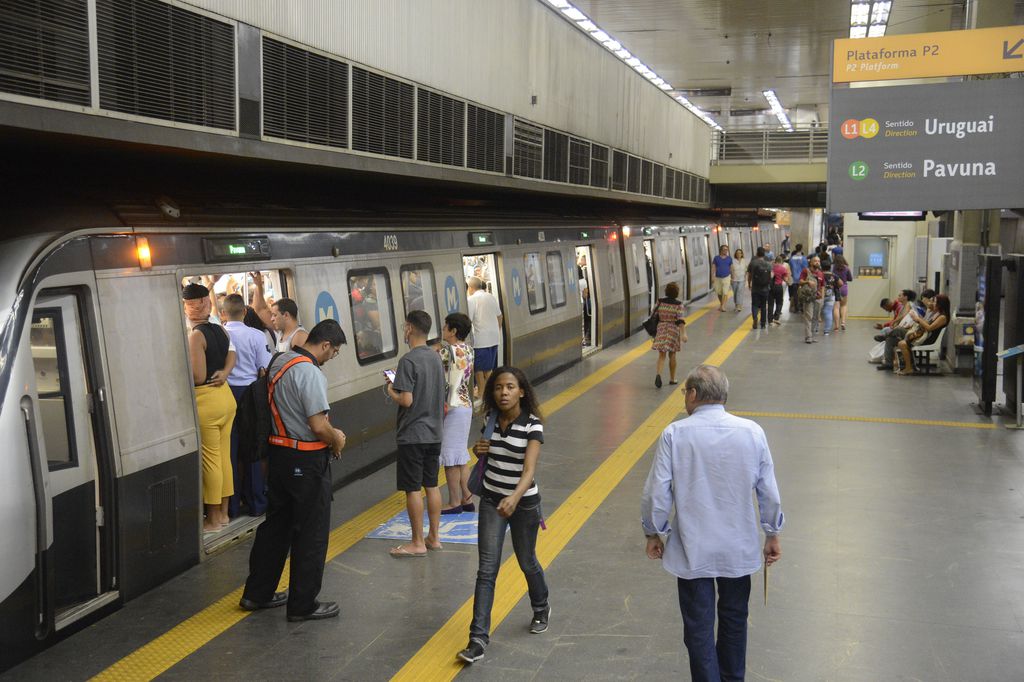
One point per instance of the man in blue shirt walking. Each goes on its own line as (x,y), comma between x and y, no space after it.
(697,496)
(797,264)
(723,273)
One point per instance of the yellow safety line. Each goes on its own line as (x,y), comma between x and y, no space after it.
(158,655)
(871,420)
(436,660)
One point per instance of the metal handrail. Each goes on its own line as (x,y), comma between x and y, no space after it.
(804,144)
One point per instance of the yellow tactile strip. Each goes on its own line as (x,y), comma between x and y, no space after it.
(870,420)
(436,660)
(190,635)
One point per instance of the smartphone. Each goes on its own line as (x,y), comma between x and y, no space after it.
(390,375)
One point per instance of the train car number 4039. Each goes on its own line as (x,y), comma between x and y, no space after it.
(391,242)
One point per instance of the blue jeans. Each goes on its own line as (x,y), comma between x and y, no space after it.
(828,307)
(726,659)
(524,523)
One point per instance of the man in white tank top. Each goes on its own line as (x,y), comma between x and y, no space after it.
(285,317)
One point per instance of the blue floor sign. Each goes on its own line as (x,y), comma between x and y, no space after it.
(455,528)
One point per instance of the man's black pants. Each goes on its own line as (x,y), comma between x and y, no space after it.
(759,306)
(298,522)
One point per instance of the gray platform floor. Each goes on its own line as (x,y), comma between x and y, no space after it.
(903,552)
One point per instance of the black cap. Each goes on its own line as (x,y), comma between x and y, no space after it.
(194,291)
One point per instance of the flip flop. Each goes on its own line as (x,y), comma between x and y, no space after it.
(435,549)
(452,510)
(468,507)
(400,552)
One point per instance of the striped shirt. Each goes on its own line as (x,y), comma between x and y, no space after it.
(507,454)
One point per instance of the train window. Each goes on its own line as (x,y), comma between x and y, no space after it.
(636,262)
(613,254)
(373,317)
(556,278)
(49,358)
(666,257)
(240,283)
(419,294)
(536,295)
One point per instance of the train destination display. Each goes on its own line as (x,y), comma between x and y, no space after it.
(927,147)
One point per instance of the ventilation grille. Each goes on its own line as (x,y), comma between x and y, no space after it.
(305,95)
(678,191)
(44,49)
(579,161)
(659,180)
(528,145)
(556,156)
(440,128)
(165,62)
(619,170)
(646,175)
(382,114)
(598,166)
(633,175)
(485,139)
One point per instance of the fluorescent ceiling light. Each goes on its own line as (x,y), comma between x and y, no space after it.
(664,86)
(658,81)
(859,13)
(587,25)
(574,13)
(780,113)
(876,31)
(560,4)
(880,12)
(858,31)
(600,36)
(613,45)
(632,61)
(623,53)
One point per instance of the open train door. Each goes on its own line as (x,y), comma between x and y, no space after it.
(585,265)
(485,266)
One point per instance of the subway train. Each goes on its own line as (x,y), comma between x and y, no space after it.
(102,472)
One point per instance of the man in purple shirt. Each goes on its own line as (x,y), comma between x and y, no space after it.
(251,355)
(698,497)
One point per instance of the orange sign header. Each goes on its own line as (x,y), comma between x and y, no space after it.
(929,55)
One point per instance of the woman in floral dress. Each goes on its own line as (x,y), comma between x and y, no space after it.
(671,332)
(457,358)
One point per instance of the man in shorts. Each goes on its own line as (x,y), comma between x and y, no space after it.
(486,317)
(418,389)
(723,275)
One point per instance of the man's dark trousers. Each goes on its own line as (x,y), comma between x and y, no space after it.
(298,521)
(759,305)
(726,660)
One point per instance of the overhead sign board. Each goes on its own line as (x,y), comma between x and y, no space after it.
(927,147)
(929,55)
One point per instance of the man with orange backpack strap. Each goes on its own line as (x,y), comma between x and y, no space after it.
(302,443)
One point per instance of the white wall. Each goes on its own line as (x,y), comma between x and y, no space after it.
(866,293)
(497,53)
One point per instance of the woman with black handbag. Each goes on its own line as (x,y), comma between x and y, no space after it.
(671,332)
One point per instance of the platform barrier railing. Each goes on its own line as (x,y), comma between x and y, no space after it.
(764,146)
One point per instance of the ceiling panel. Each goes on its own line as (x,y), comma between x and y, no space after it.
(750,46)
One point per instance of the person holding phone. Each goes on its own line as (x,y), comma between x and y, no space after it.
(510,500)
(418,389)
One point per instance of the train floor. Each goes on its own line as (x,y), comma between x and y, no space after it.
(903,550)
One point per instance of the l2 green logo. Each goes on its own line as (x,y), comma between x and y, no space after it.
(858,170)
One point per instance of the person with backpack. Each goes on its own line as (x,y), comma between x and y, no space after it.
(302,443)
(811,293)
(759,280)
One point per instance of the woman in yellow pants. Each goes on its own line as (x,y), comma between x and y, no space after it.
(213,357)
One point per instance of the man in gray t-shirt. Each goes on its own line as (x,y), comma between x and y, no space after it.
(418,390)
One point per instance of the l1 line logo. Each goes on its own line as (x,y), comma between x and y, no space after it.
(866,128)
(936,147)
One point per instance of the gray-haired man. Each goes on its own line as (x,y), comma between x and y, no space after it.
(698,495)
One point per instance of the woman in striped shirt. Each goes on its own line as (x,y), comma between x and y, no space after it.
(510,500)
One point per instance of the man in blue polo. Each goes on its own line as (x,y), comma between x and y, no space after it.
(698,496)
(723,274)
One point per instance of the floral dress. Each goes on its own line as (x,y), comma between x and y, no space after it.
(457,360)
(670,323)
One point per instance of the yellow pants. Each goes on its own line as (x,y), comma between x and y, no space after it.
(216,407)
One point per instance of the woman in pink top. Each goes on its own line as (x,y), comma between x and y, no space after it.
(781,278)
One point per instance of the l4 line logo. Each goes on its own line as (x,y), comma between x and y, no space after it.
(866,128)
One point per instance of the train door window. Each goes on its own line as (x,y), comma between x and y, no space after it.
(373,315)
(66,425)
(243,284)
(536,296)
(675,261)
(686,276)
(652,287)
(636,262)
(613,255)
(667,261)
(556,278)
(49,357)
(419,293)
(588,296)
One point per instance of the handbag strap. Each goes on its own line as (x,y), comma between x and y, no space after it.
(492,422)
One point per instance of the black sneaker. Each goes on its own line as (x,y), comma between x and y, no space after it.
(539,623)
(473,652)
(657,381)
